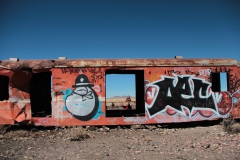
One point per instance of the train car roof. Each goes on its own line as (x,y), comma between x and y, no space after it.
(16,64)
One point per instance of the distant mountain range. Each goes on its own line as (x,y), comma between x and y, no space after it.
(122,97)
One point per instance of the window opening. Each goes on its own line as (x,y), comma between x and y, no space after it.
(4,88)
(40,94)
(125,93)
(220,82)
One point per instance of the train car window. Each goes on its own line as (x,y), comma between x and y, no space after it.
(124,93)
(4,90)
(220,82)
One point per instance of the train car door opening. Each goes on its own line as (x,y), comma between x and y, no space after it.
(4,83)
(40,94)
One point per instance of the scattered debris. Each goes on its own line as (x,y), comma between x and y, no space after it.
(77,133)
(119,142)
(230,126)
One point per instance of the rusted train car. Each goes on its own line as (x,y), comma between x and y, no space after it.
(66,92)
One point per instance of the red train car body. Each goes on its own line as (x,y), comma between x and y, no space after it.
(73,92)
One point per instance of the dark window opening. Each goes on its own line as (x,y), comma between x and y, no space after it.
(4,89)
(120,86)
(220,82)
(40,94)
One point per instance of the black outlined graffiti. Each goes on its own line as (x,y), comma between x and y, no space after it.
(96,74)
(178,93)
(189,72)
(73,70)
(170,72)
(83,102)
(221,69)
(234,82)
(177,71)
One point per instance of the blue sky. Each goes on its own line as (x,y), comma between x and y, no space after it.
(120,85)
(33,29)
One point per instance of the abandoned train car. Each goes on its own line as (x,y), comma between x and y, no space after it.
(66,92)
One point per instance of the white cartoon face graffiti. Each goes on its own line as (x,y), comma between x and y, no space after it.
(83,102)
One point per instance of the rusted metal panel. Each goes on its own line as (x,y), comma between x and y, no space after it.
(17,107)
(14,111)
(236,107)
(21,111)
(27,64)
(6,116)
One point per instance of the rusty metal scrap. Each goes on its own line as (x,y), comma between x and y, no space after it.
(27,64)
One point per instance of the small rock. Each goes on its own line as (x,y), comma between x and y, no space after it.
(207,146)
(222,133)
(137,126)
(106,129)
(138,152)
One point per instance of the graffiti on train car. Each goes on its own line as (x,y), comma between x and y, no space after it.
(180,93)
(82,102)
(97,73)
(179,70)
(234,81)
(187,95)
(205,72)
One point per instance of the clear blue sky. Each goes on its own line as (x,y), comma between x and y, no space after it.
(48,29)
(120,85)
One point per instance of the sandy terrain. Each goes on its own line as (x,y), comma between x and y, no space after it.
(119,103)
(175,141)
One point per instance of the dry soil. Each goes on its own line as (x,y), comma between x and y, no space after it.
(174,141)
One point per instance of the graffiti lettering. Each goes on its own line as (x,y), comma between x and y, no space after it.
(221,69)
(234,83)
(73,70)
(171,72)
(179,93)
(180,69)
(191,72)
(205,72)
(95,78)
(96,74)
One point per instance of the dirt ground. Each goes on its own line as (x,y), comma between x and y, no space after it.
(194,141)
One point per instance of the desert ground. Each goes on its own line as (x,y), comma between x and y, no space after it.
(194,141)
(119,103)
